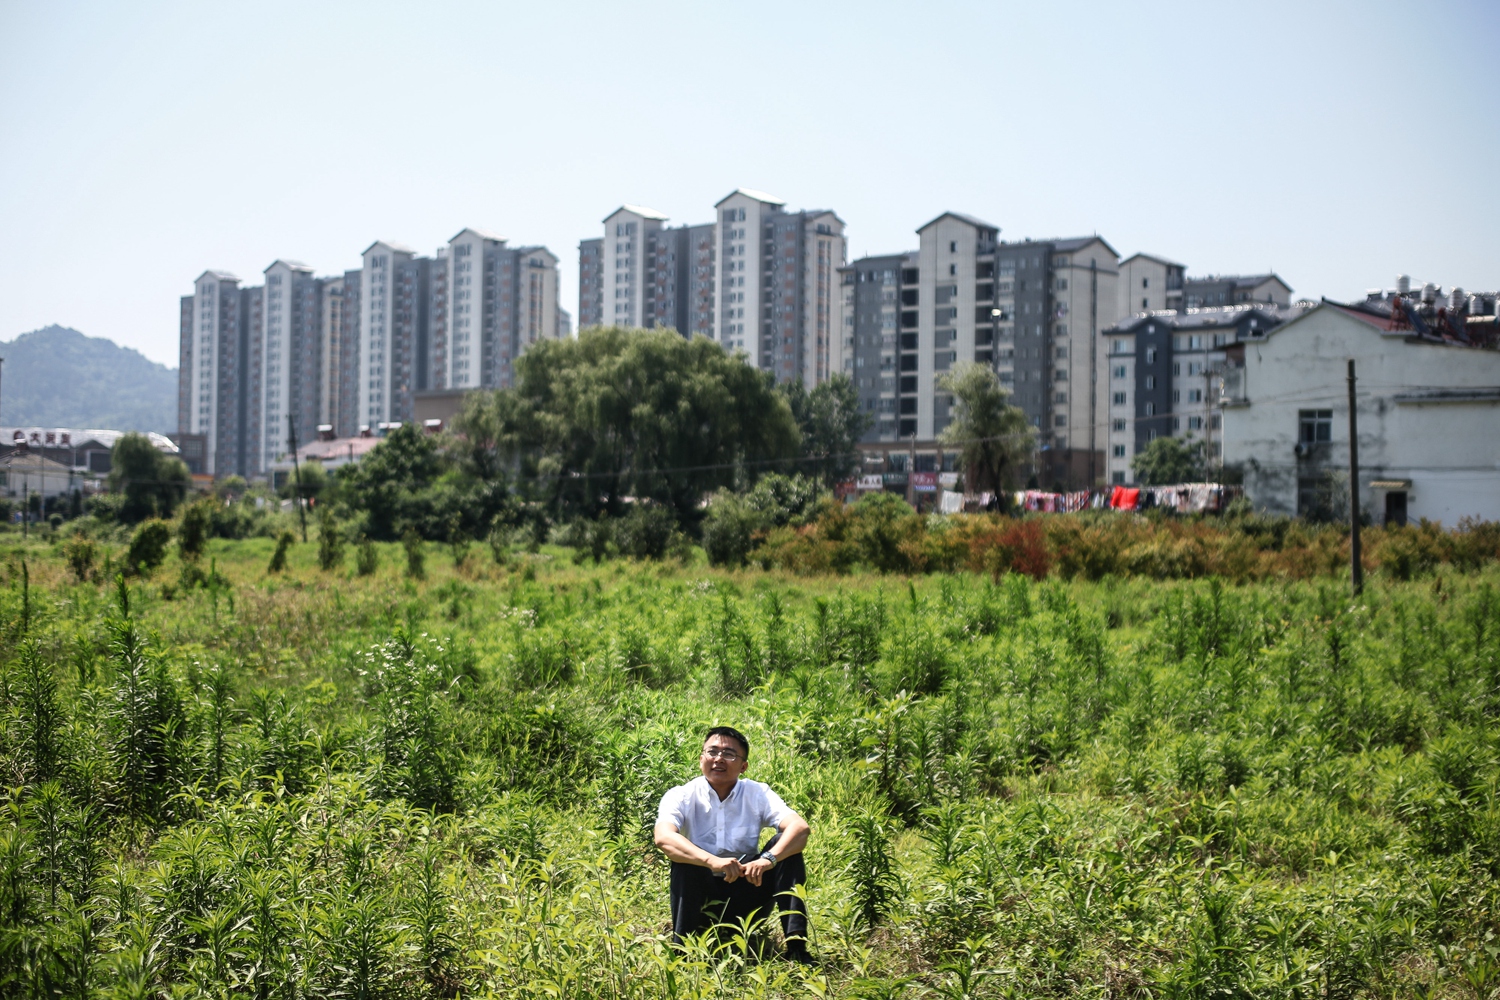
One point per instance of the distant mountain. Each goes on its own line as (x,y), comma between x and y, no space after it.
(57,377)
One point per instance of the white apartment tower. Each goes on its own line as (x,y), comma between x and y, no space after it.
(288,355)
(777,285)
(500,300)
(212,366)
(628,233)
(377,330)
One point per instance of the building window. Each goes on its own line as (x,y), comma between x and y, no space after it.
(1118,451)
(1145,304)
(1119,372)
(1060,420)
(1195,423)
(1314,426)
(1117,478)
(1150,381)
(1150,355)
(1119,425)
(1151,410)
(1119,399)
(953,246)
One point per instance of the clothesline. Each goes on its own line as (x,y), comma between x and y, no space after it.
(1182,498)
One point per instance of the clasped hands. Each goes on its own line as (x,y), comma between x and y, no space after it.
(733,868)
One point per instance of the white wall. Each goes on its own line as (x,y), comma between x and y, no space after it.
(1450,451)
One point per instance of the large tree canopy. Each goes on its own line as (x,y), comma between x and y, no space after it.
(990,434)
(1169,460)
(153,484)
(643,413)
(831,423)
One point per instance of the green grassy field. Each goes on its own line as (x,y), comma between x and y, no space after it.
(320,784)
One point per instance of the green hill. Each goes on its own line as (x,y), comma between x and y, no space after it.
(57,377)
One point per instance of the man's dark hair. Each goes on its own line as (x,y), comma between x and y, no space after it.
(733,734)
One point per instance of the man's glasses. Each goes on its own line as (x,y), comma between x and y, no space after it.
(728,756)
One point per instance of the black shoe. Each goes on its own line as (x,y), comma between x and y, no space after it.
(798,954)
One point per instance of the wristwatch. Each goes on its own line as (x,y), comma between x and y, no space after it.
(766,855)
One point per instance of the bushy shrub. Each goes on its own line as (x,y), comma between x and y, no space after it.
(148,546)
(330,542)
(194,527)
(416,558)
(645,532)
(278,558)
(81,553)
(729,529)
(367,558)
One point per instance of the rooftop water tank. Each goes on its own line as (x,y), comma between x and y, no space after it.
(1403,284)
(1455,299)
(1429,292)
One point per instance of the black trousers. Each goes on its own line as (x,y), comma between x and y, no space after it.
(699,901)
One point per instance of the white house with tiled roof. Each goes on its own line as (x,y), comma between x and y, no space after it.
(1428,409)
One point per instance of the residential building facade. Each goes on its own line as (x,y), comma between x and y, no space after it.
(347,354)
(1235,289)
(1422,400)
(777,284)
(1031,310)
(1162,378)
(1150,284)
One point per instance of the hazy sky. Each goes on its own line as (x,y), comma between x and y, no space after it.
(142,143)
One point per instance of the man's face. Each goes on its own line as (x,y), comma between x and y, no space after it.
(722,769)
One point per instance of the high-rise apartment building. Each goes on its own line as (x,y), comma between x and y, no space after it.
(501,300)
(590,283)
(1163,374)
(1149,284)
(777,282)
(214,368)
(871,303)
(1032,310)
(351,352)
(288,360)
(644,273)
(1234,289)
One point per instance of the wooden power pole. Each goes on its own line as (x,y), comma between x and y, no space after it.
(1356,569)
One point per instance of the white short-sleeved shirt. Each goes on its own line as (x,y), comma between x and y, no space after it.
(730,828)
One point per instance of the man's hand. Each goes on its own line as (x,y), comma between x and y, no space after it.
(756,870)
(730,868)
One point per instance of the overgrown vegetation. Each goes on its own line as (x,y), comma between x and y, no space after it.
(356,782)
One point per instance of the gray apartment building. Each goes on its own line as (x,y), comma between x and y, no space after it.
(348,354)
(1164,372)
(759,279)
(644,273)
(1235,289)
(590,283)
(1032,310)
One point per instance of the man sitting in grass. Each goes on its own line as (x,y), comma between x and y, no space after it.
(710,829)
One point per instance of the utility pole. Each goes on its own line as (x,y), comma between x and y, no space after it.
(911,473)
(291,442)
(1356,570)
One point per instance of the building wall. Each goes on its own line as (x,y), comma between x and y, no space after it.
(379,337)
(350,322)
(1147,284)
(331,304)
(1454,469)
(185,375)
(590,283)
(437,322)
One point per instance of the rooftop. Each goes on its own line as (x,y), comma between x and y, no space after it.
(972,220)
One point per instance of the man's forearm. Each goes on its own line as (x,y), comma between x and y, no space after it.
(792,840)
(677,847)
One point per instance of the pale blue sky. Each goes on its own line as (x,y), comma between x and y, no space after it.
(141,143)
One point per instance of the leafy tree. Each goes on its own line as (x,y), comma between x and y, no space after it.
(193,530)
(153,484)
(643,413)
(831,423)
(385,484)
(148,547)
(1169,460)
(991,435)
(330,542)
